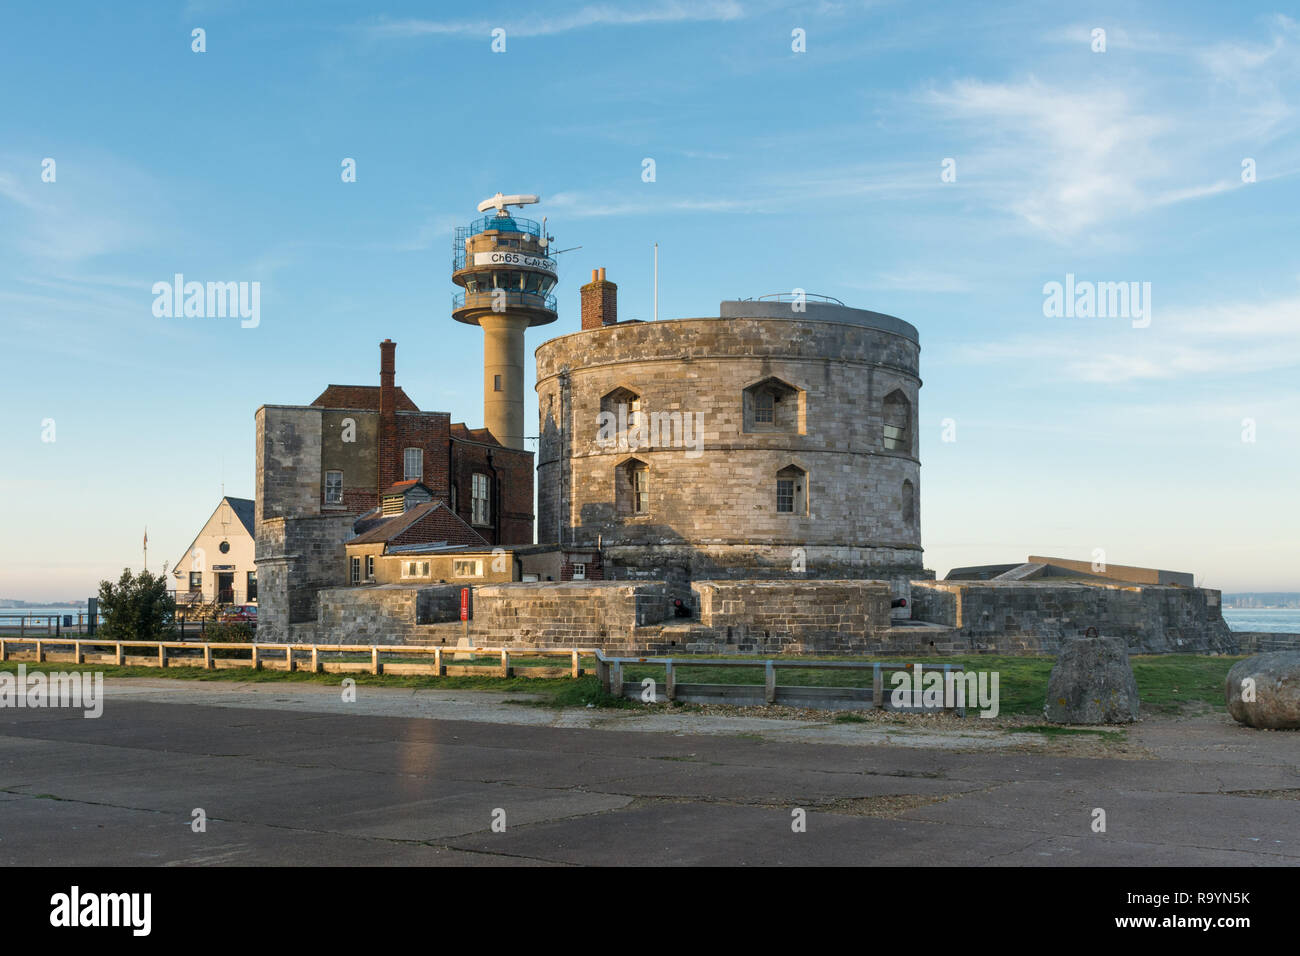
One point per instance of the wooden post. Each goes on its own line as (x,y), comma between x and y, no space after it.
(256,661)
(315,660)
(437,662)
(374,659)
(602,673)
(162,654)
(76,652)
(40,652)
(207,657)
(769,675)
(670,680)
(288,657)
(616,678)
(505,662)
(4,650)
(121,654)
(574,671)
(877,688)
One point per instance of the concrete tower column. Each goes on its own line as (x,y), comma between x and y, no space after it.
(503,375)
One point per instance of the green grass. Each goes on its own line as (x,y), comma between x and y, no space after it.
(1167,684)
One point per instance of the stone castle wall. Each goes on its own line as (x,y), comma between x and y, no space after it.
(716,512)
(296,558)
(1030,617)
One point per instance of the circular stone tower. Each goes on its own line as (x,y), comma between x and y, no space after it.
(778,439)
(502,264)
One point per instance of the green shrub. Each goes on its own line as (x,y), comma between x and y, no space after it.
(137,608)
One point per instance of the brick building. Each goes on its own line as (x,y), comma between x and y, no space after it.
(325,469)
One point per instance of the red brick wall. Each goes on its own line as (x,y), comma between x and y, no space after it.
(512,492)
(387,417)
(599,302)
(428,431)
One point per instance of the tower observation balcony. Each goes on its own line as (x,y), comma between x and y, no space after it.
(501,262)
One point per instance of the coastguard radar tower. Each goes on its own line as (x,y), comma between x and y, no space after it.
(502,263)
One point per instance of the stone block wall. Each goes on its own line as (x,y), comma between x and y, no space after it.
(1020,617)
(572,613)
(825,617)
(296,557)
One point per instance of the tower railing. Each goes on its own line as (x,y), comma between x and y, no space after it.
(485,300)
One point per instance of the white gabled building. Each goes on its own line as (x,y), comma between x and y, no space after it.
(218,565)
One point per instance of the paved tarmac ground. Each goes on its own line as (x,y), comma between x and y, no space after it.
(292,775)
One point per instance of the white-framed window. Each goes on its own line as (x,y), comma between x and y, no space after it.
(356,570)
(482,511)
(413,463)
(579,572)
(334,487)
(764,407)
(467,568)
(370,567)
(415,569)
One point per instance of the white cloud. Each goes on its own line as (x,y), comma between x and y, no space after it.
(1196,342)
(558,22)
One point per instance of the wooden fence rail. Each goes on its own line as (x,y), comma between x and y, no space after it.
(289,656)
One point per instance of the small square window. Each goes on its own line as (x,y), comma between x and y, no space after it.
(196,580)
(496,383)
(467,569)
(579,572)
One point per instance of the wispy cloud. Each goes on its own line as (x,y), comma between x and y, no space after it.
(1227,339)
(547,24)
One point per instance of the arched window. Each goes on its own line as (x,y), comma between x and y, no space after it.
(632,488)
(620,411)
(773,406)
(909,503)
(897,414)
(792,491)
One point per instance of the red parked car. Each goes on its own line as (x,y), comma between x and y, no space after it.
(239,614)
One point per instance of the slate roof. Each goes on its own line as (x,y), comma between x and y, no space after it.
(384,531)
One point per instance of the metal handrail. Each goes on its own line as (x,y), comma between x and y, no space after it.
(794,297)
(529,300)
(500,224)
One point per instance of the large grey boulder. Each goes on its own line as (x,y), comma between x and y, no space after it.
(1274,686)
(1092,683)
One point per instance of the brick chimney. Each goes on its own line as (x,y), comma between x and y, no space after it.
(599,301)
(386,463)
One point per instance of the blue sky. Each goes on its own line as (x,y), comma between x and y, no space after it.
(774,170)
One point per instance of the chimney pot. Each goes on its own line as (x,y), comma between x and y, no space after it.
(594,274)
